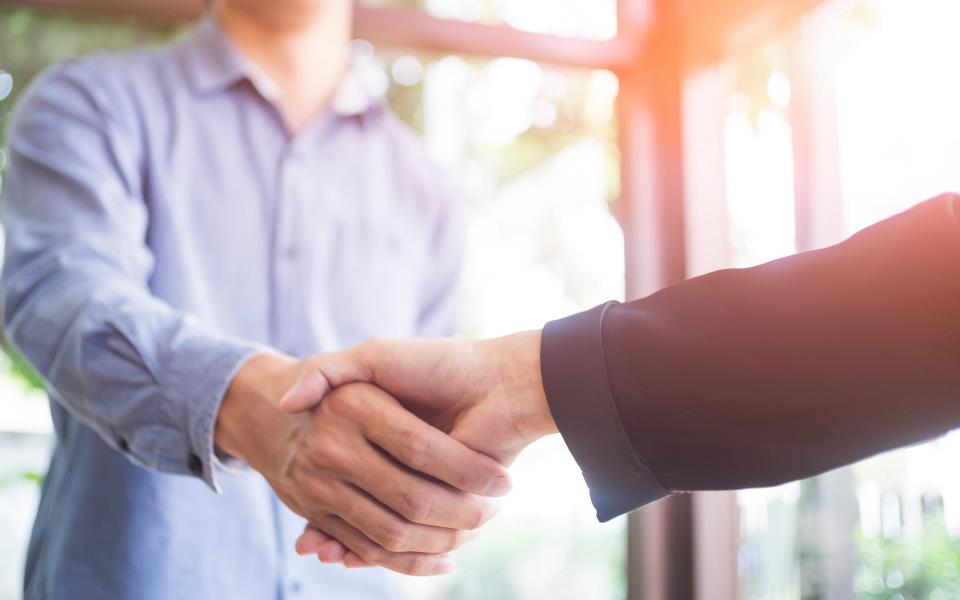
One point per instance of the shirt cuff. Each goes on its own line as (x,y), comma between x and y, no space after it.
(200,373)
(578,391)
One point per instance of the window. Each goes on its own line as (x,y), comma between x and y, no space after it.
(595,19)
(885,100)
(533,150)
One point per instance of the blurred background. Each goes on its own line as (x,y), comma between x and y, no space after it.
(592,173)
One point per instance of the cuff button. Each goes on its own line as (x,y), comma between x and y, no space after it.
(195,464)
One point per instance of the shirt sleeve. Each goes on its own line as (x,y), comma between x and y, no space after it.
(754,377)
(146,377)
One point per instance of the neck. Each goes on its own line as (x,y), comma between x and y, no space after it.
(302,51)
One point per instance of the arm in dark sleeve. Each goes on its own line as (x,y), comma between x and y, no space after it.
(754,377)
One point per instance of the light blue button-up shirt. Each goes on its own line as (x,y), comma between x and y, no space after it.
(162,226)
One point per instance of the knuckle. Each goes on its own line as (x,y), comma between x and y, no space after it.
(420,565)
(453,541)
(317,492)
(417,506)
(374,346)
(479,512)
(416,448)
(311,363)
(324,450)
(478,516)
(343,402)
(466,480)
(375,554)
(345,511)
(392,537)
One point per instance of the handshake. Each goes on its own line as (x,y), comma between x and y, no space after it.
(394,450)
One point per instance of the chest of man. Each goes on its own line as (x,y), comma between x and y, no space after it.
(306,243)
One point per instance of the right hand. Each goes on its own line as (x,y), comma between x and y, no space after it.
(486,394)
(361,465)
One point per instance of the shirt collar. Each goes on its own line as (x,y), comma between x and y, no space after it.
(214,64)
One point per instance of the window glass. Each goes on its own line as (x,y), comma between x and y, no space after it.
(889,527)
(533,151)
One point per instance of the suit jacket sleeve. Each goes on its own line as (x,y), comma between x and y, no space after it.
(754,377)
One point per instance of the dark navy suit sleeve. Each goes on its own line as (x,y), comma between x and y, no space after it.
(754,377)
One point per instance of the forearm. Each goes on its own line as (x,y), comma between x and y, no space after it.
(755,377)
(112,354)
(145,376)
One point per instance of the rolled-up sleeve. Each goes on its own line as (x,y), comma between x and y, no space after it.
(146,377)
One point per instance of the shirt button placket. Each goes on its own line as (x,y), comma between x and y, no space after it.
(288,246)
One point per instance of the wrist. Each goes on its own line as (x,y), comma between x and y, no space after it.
(250,420)
(524,384)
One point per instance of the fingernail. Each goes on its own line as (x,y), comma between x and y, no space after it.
(498,486)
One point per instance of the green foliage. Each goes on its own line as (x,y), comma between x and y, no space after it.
(12,480)
(924,567)
(21,369)
(34,477)
(537,554)
(31,40)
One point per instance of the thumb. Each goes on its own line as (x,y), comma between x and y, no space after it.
(319,375)
(307,392)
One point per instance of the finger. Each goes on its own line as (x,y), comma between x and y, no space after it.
(332,552)
(310,541)
(314,541)
(409,563)
(308,391)
(417,499)
(352,561)
(320,374)
(428,450)
(392,532)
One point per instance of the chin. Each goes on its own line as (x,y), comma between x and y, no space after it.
(277,8)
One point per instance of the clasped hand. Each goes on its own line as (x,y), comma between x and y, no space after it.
(392,451)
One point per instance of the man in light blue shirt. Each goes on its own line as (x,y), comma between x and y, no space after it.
(172,216)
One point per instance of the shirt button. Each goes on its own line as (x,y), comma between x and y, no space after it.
(295,587)
(293,251)
(195,464)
